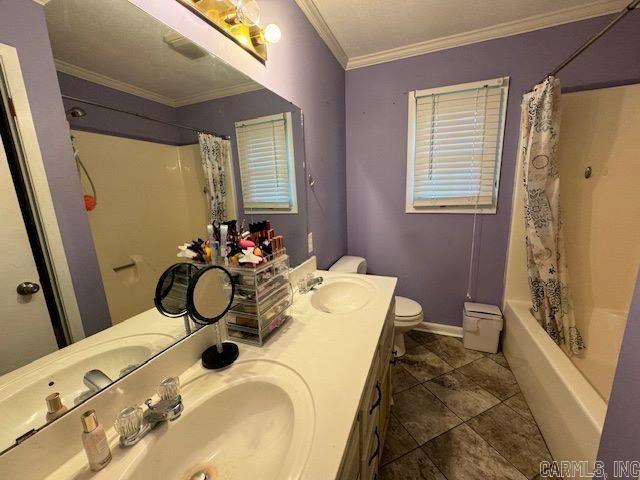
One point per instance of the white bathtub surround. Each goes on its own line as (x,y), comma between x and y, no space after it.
(319,361)
(604,337)
(546,259)
(568,410)
(602,224)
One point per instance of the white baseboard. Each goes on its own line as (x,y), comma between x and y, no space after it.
(440,329)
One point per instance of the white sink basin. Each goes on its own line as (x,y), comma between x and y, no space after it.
(256,424)
(341,295)
(23,402)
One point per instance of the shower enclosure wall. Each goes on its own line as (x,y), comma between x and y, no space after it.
(568,394)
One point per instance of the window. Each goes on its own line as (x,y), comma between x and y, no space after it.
(454,147)
(267,172)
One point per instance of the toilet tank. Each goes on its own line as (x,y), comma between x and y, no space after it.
(349,264)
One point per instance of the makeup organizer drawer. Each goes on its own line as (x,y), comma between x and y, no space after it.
(262,298)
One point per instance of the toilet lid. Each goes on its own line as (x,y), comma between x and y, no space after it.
(405,307)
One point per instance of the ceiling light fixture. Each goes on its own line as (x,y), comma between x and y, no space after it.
(248,12)
(272,33)
(240,21)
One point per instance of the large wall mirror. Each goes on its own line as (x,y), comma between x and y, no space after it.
(149,113)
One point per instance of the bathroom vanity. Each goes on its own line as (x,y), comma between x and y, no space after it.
(312,403)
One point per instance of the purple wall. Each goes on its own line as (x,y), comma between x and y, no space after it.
(430,252)
(220,116)
(23,26)
(303,70)
(620,435)
(101,120)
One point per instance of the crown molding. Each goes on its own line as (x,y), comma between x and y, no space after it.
(42,2)
(317,20)
(106,81)
(217,93)
(536,22)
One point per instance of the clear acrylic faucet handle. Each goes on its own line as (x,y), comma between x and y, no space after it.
(169,388)
(129,421)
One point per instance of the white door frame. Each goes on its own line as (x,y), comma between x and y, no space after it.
(37,180)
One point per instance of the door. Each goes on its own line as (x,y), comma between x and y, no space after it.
(27,331)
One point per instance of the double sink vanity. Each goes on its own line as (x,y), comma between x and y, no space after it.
(312,403)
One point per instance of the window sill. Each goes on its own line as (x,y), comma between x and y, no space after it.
(479,211)
(293,211)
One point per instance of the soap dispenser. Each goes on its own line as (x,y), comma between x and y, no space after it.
(55,407)
(94,441)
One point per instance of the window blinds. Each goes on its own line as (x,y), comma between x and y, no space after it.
(265,164)
(456,145)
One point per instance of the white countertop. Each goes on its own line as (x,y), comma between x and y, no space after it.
(331,353)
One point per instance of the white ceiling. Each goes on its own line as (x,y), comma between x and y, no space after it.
(118,45)
(366,32)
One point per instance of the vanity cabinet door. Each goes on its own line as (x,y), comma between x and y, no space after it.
(371,458)
(385,405)
(370,414)
(351,465)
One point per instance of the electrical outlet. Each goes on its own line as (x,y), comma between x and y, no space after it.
(310,242)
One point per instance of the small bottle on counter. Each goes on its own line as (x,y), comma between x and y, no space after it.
(94,441)
(55,407)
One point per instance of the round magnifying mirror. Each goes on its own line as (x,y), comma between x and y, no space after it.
(209,297)
(171,292)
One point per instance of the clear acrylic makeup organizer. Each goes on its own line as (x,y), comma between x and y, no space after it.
(262,299)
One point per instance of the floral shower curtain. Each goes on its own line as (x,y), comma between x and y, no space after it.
(548,276)
(215,154)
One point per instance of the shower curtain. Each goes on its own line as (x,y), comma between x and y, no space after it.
(215,154)
(548,276)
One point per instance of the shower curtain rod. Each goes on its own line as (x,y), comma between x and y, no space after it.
(593,39)
(114,109)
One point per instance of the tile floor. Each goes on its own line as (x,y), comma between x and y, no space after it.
(458,415)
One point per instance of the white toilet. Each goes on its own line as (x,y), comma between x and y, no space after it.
(408,316)
(408,312)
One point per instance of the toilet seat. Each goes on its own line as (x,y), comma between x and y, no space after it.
(408,320)
(407,310)
(408,315)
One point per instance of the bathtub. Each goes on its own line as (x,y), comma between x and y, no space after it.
(567,408)
(602,331)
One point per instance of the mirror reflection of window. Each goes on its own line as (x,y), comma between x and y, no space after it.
(265,152)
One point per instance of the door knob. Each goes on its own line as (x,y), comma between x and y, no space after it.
(28,288)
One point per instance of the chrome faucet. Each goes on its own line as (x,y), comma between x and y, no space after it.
(96,380)
(308,283)
(313,282)
(133,423)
